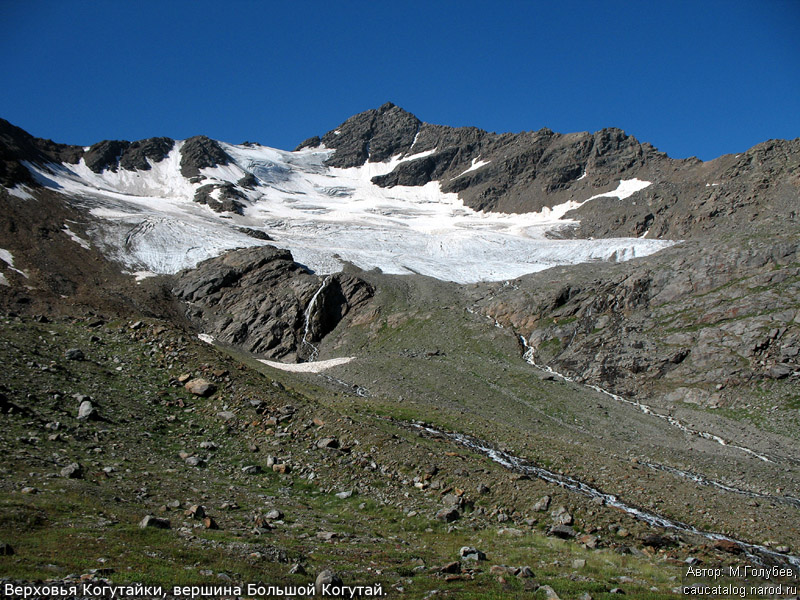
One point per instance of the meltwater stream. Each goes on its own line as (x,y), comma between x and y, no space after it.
(760,554)
(314,351)
(528,356)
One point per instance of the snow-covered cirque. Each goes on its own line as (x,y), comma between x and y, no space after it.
(326,216)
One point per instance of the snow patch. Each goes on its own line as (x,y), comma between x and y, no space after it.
(204,337)
(75,238)
(21,191)
(308,367)
(476,164)
(582,176)
(142,275)
(7,257)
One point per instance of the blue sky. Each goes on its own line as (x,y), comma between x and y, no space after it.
(699,78)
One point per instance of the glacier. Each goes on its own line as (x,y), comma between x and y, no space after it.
(326,217)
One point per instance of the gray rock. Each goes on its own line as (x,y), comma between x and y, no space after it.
(153,521)
(542,504)
(549,592)
(74,354)
(6,549)
(200,387)
(297,569)
(565,532)
(326,577)
(86,410)
(72,471)
(471,553)
(330,443)
(274,515)
(448,515)
(344,495)
(780,371)
(251,469)
(194,461)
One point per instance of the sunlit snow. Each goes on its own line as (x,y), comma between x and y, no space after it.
(327,216)
(308,367)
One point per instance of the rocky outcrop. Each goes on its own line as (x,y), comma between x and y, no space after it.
(258,299)
(17,145)
(527,171)
(374,135)
(220,197)
(200,152)
(687,325)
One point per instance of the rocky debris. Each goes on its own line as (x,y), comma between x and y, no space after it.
(200,387)
(86,411)
(257,299)
(153,521)
(74,354)
(325,578)
(72,471)
(200,152)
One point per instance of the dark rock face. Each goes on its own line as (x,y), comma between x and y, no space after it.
(528,171)
(374,135)
(105,155)
(135,156)
(200,152)
(17,145)
(689,323)
(257,299)
(112,155)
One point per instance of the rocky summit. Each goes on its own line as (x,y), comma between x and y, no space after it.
(570,356)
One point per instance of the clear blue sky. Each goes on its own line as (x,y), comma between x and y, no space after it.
(697,78)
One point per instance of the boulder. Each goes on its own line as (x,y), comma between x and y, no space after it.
(200,387)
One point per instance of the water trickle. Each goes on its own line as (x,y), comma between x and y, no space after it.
(528,356)
(313,351)
(760,554)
